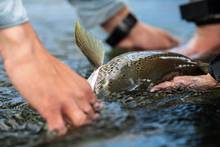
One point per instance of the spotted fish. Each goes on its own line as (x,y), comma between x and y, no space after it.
(134,70)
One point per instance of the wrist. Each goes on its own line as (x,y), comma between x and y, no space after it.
(112,22)
(17,41)
(19,45)
(122,30)
(27,57)
(209,29)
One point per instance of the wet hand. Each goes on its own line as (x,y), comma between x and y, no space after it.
(59,94)
(55,91)
(196,82)
(142,36)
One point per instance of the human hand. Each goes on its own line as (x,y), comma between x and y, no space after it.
(205,41)
(196,82)
(52,88)
(146,37)
(142,36)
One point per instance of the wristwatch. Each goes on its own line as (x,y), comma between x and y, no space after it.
(201,12)
(122,30)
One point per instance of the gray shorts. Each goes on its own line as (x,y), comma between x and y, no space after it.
(90,12)
(12,13)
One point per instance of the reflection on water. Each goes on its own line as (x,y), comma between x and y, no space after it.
(186,118)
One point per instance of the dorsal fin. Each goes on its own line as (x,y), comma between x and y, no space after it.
(90,46)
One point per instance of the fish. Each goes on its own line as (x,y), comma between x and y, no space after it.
(132,71)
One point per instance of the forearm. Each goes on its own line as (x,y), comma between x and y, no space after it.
(19,45)
(113,21)
(15,32)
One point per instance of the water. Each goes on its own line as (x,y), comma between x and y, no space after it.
(186,118)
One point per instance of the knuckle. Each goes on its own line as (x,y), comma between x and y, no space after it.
(92,99)
(56,126)
(80,120)
(176,79)
(88,109)
(88,90)
(46,113)
(61,130)
(163,85)
(80,94)
(85,92)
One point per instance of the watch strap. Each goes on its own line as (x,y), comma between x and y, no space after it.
(122,30)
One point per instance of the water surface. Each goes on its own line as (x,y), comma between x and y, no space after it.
(180,118)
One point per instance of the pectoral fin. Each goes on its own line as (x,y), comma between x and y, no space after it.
(90,46)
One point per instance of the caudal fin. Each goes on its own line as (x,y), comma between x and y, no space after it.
(90,46)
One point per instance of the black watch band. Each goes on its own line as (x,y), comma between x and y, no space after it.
(122,30)
(201,12)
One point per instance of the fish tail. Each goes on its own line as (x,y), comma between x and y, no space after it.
(90,46)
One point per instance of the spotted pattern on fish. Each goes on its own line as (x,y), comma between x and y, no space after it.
(132,71)
(141,70)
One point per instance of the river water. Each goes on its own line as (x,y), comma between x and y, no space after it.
(181,118)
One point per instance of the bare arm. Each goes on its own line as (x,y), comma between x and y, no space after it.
(195,82)
(51,87)
(110,13)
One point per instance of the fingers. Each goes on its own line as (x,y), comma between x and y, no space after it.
(55,121)
(77,113)
(74,114)
(86,107)
(145,37)
(98,106)
(126,44)
(87,93)
(168,40)
(185,81)
(164,85)
(91,97)
(85,101)
(172,42)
